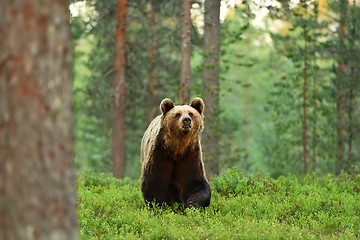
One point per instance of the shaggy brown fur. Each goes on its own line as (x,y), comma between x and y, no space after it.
(172,165)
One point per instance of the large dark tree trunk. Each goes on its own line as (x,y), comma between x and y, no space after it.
(211,85)
(37,174)
(185,54)
(119,92)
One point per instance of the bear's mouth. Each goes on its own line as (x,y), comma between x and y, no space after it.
(186,128)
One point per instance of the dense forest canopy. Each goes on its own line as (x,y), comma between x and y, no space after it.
(287,93)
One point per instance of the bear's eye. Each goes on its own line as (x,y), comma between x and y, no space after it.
(178,115)
(191,114)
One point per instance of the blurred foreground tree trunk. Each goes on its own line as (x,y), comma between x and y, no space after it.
(211,85)
(119,92)
(185,54)
(37,174)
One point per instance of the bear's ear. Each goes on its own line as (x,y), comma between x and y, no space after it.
(198,104)
(166,105)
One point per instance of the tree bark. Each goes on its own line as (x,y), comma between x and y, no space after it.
(351,97)
(340,100)
(37,174)
(211,85)
(119,131)
(314,147)
(152,93)
(185,54)
(305,104)
(314,132)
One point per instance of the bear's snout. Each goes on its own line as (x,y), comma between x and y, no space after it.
(187,122)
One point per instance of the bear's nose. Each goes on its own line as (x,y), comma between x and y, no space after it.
(186,120)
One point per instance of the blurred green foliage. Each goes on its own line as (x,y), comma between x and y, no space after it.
(260,115)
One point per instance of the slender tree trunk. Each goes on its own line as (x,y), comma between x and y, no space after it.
(119,92)
(340,100)
(315,116)
(185,54)
(152,92)
(247,125)
(305,104)
(37,174)
(351,97)
(350,160)
(314,144)
(211,85)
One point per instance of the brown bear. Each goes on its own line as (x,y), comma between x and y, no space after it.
(171,157)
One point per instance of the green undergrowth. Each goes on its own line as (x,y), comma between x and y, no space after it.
(242,207)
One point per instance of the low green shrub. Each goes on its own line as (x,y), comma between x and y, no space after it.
(242,207)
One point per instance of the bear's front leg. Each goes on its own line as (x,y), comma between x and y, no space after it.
(155,183)
(199,194)
(155,191)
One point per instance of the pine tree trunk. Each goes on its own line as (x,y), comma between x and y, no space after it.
(340,100)
(211,86)
(37,174)
(119,92)
(152,93)
(184,97)
(351,97)
(314,97)
(305,104)
(314,133)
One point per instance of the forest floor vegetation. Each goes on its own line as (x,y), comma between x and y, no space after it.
(242,207)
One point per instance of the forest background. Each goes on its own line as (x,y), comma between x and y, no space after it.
(287,94)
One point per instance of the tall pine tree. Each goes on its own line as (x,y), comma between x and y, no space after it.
(211,85)
(119,129)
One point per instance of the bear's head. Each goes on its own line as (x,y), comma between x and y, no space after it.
(182,123)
